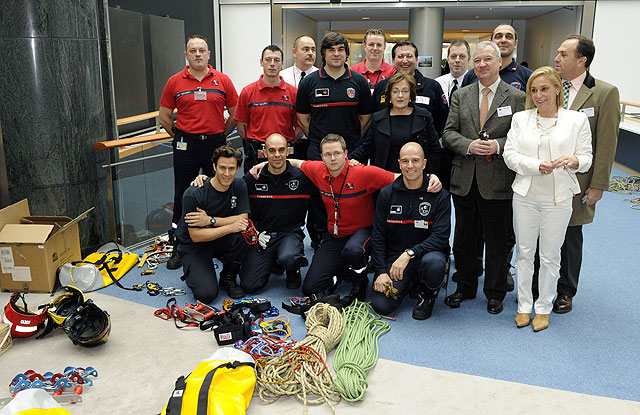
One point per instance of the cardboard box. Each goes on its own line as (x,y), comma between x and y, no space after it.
(32,248)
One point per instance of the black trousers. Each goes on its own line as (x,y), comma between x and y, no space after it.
(286,249)
(334,257)
(429,269)
(187,164)
(570,261)
(317,215)
(197,263)
(494,216)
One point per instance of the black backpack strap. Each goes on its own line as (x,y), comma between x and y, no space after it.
(174,407)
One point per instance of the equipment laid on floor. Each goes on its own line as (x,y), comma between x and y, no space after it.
(36,401)
(222,384)
(99,269)
(5,337)
(23,321)
(627,185)
(358,351)
(302,371)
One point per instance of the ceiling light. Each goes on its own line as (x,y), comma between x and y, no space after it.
(466,30)
(365,18)
(399,36)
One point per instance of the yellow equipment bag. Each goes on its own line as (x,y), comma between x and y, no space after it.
(112,261)
(222,384)
(33,402)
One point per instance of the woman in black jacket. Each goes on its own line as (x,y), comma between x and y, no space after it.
(401,122)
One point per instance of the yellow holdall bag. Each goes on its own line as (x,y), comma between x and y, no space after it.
(222,384)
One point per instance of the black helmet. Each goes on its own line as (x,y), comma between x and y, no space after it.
(88,325)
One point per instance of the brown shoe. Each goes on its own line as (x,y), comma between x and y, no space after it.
(540,322)
(563,304)
(523,319)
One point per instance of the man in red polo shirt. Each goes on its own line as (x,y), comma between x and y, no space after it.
(200,93)
(374,68)
(347,192)
(265,107)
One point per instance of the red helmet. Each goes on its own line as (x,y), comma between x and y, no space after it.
(23,322)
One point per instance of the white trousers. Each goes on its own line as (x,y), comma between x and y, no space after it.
(538,219)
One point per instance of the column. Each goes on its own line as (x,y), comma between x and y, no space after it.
(426,26)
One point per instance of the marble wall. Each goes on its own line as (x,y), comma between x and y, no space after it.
(55,103)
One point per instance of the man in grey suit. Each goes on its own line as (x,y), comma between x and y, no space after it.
(476,132)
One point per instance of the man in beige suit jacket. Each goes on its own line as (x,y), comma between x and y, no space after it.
(480,181)
(600,101)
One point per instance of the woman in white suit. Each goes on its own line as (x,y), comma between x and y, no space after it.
(545,147)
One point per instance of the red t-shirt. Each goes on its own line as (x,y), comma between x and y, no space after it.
(353,189)
(268,109)
(383,72)
(199,116)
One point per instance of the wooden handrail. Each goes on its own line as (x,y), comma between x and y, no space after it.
(633,104)
(104,145)
(136,118)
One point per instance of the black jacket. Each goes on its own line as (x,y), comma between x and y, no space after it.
(394,225)
(377,143)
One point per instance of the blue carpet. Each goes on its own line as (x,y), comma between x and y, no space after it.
(592,350)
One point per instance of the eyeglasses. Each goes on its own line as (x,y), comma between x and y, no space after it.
(404,91)
(335,154)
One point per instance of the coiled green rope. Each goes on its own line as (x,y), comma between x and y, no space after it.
(357,351)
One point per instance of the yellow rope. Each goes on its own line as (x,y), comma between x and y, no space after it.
(358,350)
(302,371)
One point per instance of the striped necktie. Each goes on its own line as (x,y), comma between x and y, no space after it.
(453,89)
(566,85)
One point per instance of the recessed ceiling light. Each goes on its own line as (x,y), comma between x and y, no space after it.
(466,30)
(365,18)
(399,36)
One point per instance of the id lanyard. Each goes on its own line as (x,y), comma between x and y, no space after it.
(336,202)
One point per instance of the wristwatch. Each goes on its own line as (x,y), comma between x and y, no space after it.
(213,221)
(410,252)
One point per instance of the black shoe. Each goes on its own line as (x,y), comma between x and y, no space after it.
(277,269)
(230,286)
(175,261)
(423,309)
(510,284)
(454,277)
(494,307)
(359,285)
(456,298)
(294,279)
(563,304)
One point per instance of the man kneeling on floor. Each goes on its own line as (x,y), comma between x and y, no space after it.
(213,217)
(410,239)
(279,201)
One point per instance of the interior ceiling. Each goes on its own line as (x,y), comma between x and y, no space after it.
(346,13)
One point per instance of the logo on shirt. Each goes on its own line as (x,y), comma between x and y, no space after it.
(516,85)
(234,202)
(351,93)
(285,97)
(396,209)
(424,208)
(262,187)
(215,82)
(444,98)
(322,92)
(349,186)
(293,184)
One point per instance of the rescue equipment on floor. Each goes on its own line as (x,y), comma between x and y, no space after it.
(358,350)
(61,308)
(302,371)
(99,269)
(222,384)
(35,401)
(68,382)
(88,325)
(5,337)
(23,321)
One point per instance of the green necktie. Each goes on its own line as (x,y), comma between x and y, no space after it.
(565,91)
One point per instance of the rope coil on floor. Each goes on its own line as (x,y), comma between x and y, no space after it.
(626,185)
(358,350)
(302,371)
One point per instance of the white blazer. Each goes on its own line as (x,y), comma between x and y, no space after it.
(570,137)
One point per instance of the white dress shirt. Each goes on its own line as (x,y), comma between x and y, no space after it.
(292,75)
(446,82)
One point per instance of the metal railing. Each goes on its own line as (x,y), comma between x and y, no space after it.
(631,116)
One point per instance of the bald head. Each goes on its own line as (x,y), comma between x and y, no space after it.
(276,150)
(412,148)
(275,139)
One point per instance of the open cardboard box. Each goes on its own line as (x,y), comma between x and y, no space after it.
(32,248)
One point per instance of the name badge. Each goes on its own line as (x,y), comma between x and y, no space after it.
(422,100)
(200,95)
(590,112)
(421,224)
(503,111)
(181,145)
(322,92)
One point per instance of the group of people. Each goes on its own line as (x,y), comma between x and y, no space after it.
(369,157)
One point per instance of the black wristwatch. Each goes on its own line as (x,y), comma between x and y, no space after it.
(410,252)
(213,221)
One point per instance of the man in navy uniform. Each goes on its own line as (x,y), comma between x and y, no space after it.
(410,240)
(279,201)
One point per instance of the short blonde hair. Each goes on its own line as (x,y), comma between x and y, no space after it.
(552,76)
